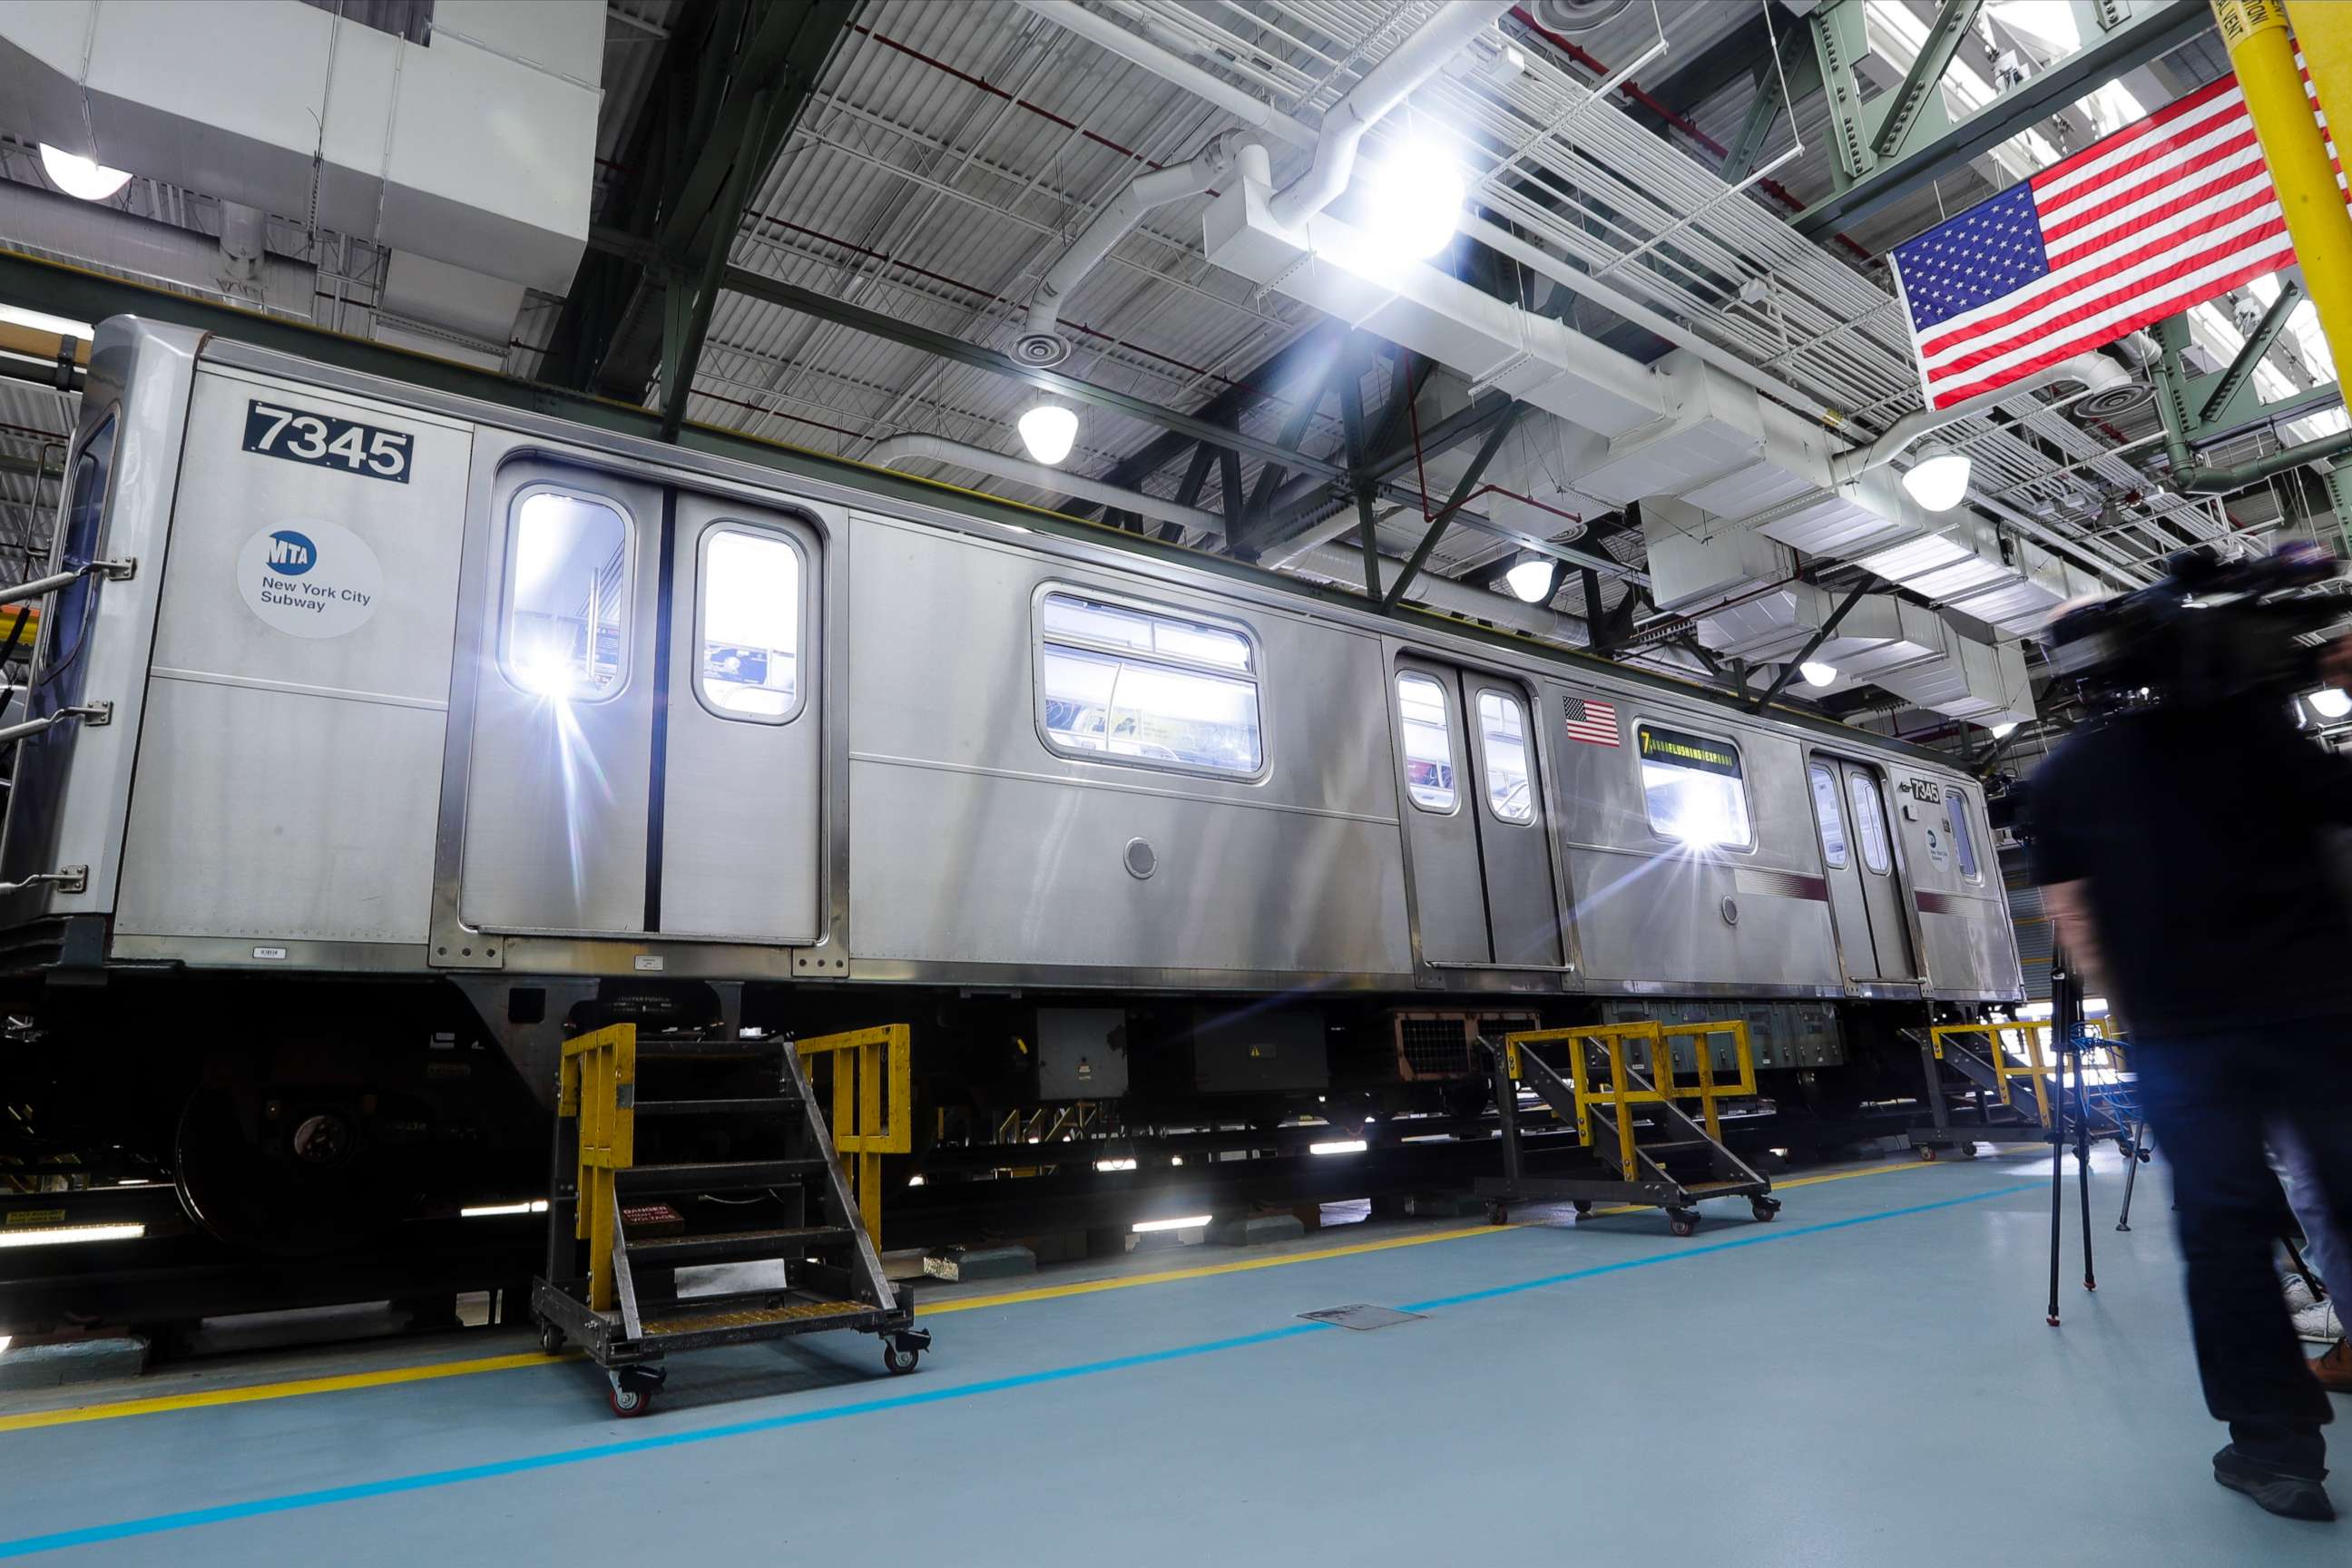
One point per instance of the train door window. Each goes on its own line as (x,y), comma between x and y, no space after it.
(567,596)
(750,630)
(1428,742)
(80,544)
(1964,838)
(1136,684)
(1693,789)
(1869,822)
(1826,810)
(1503,747)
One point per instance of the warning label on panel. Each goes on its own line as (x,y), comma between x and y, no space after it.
(310,578)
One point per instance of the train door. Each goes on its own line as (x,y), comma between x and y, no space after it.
(738,790)
(1473,817)
(645,751)
(559,790)
(1858,859)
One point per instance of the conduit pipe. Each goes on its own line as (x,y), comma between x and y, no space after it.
(1383,88)
(1096,28)
(899,448)
(2095,371)
(1041,342)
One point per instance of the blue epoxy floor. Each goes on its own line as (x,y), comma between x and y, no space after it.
(1867,1380)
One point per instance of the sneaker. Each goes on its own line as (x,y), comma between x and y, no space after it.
(2298,1294)
(2320,1323)
(2334,1370)
(2289,1496)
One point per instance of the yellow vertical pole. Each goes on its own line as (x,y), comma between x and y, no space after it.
(1617,1107)
(2262,52)
(1706,1045)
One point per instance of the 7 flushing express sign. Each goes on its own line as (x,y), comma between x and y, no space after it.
(310,577)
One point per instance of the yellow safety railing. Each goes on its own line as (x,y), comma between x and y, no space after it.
(1659,1037)
(873,1106)
(2037,1064)
(599,1086)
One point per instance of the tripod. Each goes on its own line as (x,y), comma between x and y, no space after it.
(2067,1033)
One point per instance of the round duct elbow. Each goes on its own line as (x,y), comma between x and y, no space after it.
(1039,351)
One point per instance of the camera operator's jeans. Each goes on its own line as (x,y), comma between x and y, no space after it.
(2210,1099)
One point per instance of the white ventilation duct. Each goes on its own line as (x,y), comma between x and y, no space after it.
(476,152)
(43,221)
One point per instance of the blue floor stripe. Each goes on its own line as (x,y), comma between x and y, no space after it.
(157,1524)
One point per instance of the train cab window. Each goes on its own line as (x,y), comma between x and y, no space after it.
(568,584)
(1140,685)
(1835,853)
(1428,742)
(1869,822)
(1964,838)
(1503,744)
(1694,790)
(751,626)
(79,543)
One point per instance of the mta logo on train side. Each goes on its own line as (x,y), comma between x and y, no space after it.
(292,553)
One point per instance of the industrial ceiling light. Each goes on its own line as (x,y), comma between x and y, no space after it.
(79,176)
(1416,201)
(1049,429)
(2330,703)
(1533,577)
(1816,673)
(1939,478)
(2003,732)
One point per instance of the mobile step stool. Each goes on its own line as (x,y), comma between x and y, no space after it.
(1648,1150)
(2001,1074)
(677,1153)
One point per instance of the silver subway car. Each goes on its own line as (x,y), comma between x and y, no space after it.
(404,734)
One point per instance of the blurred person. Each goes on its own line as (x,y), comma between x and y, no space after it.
(2184,850)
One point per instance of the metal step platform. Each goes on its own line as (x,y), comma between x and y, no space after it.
(1988,1083)
(1647,1149)
(733,1173)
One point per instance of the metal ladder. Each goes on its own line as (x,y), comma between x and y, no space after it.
(1650,1151)
(682,1153)
(2004,1086)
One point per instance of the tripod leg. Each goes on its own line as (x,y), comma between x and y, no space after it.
(2057,1193)
(2083,1166)
(2131,1175)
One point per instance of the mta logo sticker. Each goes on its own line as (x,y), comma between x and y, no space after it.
(291,554)
(310,578)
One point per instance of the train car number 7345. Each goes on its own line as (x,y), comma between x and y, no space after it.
(327,442)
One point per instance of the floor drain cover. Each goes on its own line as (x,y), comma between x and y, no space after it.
(1360,1316)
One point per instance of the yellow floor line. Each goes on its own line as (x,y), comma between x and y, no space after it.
(214,1396)
(199,1399)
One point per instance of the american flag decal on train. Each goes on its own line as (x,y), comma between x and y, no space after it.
(1594,724)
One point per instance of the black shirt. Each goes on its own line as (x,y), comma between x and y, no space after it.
(2207,840)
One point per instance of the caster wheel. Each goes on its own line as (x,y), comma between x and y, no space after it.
(550,1338)
(1681,1222)
(1765,1210)
(629,1403)
(897,1360)
(1499,1214)
(1584,1205)
(1926,1152)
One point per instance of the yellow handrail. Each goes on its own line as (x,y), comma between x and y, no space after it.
(867,1122)
(598,1086)
(2036,1065)
(1659,1039)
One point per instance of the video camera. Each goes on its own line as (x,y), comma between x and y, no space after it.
(2211,631)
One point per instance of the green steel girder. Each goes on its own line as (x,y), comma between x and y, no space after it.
(2239,373)
(1907,108)
(2147,34)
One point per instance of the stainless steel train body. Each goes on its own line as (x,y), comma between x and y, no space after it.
(408,696)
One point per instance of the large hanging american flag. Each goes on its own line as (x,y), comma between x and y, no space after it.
(2161,216)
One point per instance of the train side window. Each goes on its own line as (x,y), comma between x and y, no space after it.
(567,596)
(1869,822)
(751,626)
(1503,745)
(1130,683)
(1964,838)
(1693,789)
(1428,742)
(78,544)
(1835,850)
